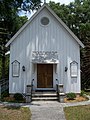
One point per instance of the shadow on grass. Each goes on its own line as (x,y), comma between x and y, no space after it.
(11,107)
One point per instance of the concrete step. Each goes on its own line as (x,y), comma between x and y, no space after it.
(44,98)
(51,92)
(43,95)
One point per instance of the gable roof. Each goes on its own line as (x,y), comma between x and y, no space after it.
(52,12)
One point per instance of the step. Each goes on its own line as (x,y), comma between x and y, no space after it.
(62,94)
(44,99)
(44,94)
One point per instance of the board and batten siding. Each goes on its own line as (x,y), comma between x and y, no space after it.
(36,37)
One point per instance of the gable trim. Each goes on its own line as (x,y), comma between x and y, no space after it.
(53,13)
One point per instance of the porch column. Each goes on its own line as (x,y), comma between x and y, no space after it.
(28,93)
(61,93)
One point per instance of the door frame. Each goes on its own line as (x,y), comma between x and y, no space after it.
(45,88)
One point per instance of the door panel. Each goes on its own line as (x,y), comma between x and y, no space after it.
(44,75)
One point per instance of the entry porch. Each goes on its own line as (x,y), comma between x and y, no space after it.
(45,86)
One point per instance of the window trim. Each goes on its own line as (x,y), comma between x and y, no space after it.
(72,75)
(42,18)
(13,75)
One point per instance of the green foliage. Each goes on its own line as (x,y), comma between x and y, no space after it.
(82,93)
(61,10)
(18,97)
(77,17)
(5,94)
(0,69)
(77,112)
(87,93)
(10,22)
(71,96)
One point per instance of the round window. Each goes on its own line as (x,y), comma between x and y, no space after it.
(44,21)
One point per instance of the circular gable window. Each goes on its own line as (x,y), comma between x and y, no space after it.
(44,21)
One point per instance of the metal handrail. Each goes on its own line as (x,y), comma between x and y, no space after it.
(32,87)
(57,85)
(57,89)
(3,80)
(57,81)
(32,83)
(4,85)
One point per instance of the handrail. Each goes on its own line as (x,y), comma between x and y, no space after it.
(57,89)
(57,81)
(57,85)
(24,95)
(32,83)
(3,80)
(4,85)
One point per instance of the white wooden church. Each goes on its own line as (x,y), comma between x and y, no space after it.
(46,52)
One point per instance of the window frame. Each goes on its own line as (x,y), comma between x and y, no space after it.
(44,18)
(13,75)
(71,69)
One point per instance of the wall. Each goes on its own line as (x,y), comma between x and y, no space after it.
(52,37)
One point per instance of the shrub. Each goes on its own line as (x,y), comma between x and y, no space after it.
(82,93)
(71,96)
(8,99)
(18,97)
(5,94)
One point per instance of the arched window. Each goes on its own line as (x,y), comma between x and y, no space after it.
(74,69)
(15,68)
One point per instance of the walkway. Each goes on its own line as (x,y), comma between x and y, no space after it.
(47,110)
(51,110)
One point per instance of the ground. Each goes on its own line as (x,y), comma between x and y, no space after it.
(77,99)
(14,113)
(46,110)
(77,112)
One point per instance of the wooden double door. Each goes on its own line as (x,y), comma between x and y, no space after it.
(44,75)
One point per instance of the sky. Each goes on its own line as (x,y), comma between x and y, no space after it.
(47,1)
(61,1)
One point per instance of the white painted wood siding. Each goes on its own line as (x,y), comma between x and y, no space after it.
(52,37)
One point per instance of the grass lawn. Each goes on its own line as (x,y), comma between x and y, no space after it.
(14,113)
(77,113)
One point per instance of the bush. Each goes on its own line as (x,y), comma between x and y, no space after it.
(5,94)
(82,93)
(8,99)
(71,96)
(18,97)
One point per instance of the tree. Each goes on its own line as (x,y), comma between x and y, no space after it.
(3,40)
(5,35)
(82,30)
(10,22)
(77,17)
